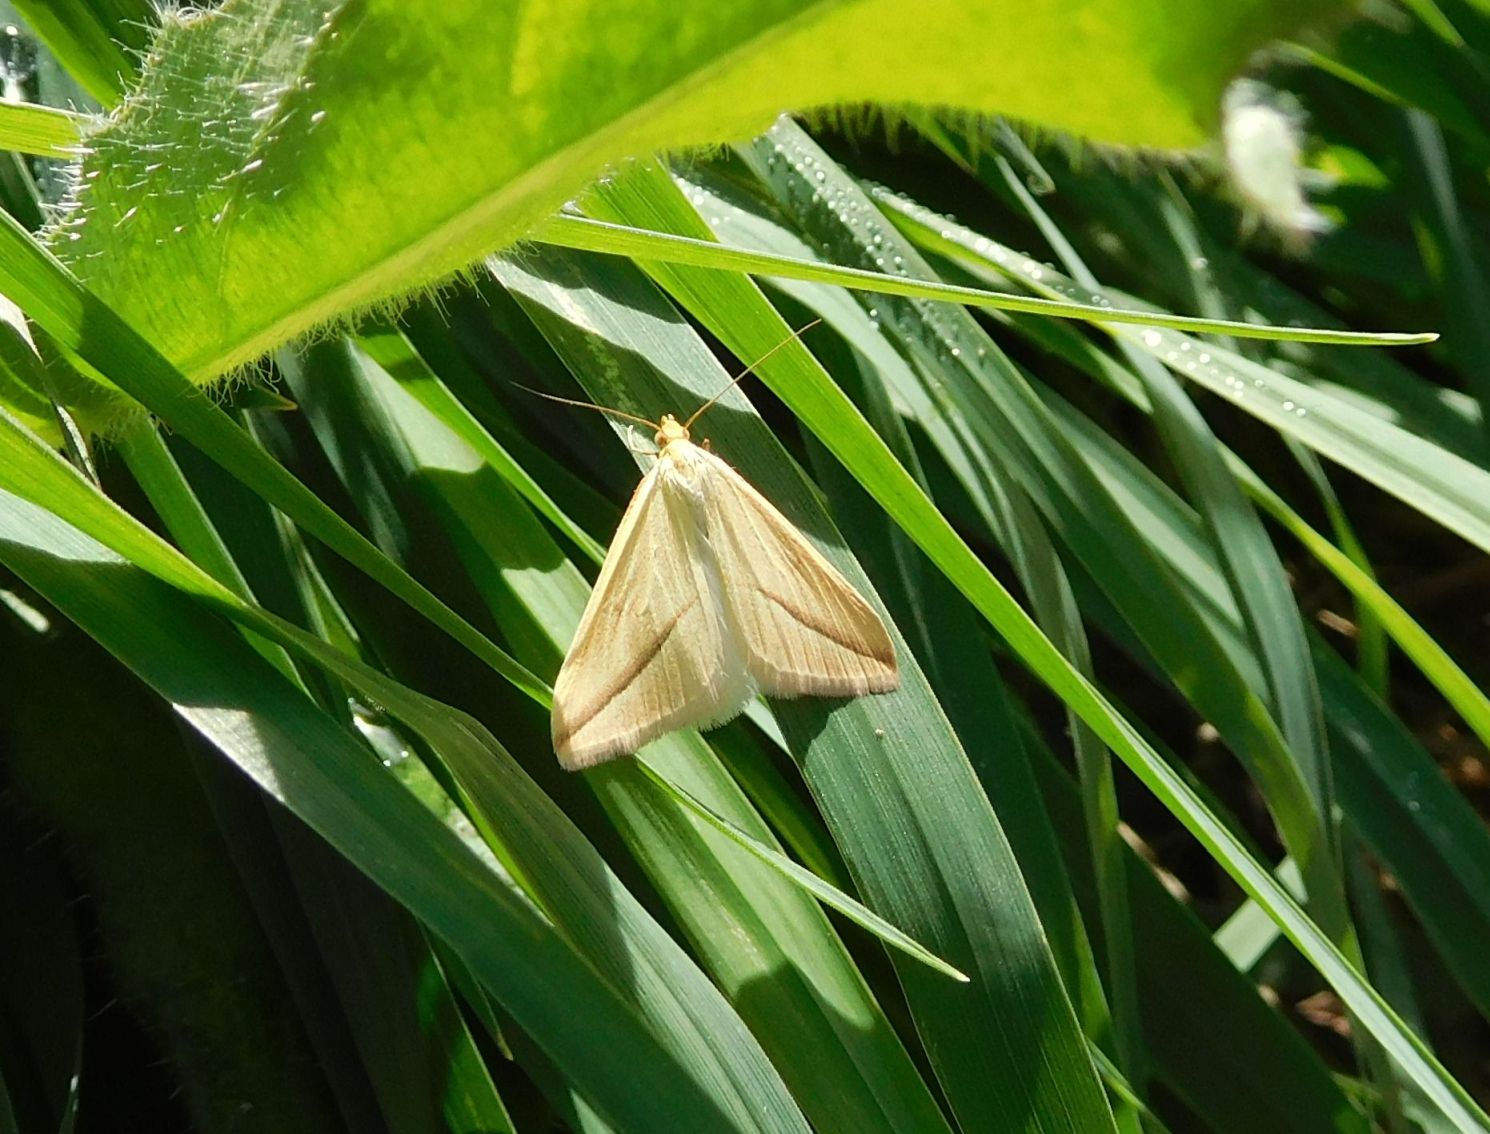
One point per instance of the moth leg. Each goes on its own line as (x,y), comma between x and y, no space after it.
(630,444)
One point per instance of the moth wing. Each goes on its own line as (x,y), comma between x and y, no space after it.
(806,630)
(654,650)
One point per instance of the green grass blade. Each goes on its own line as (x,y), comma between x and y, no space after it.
(93,39)
(1255,574)
(593,235)
(829,895)
(40,130)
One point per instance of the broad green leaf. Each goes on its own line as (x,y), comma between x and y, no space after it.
(275,158)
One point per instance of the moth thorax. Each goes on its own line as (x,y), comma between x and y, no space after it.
(669,430)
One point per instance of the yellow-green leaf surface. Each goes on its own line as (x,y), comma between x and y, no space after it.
(283,162)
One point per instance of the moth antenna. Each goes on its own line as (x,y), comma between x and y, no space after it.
(652,425)
(735,381)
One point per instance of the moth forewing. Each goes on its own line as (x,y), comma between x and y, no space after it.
(707,594)
(806,629)
(653,651)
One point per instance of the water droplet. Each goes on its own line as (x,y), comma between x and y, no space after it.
(1152,338)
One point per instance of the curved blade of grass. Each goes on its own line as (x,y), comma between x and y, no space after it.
(830,896)
(593,235)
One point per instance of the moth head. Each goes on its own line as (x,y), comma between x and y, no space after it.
(670,430)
